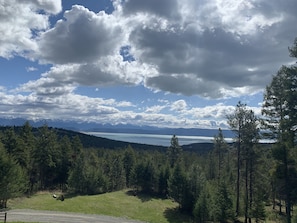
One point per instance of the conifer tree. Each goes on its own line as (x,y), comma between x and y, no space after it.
(174,151)
(202,206)
(28,143)
(220,147)
(47,157)
(178,187)
(280,122)
(129,161)
(222,204)
(243,123)
(12,179)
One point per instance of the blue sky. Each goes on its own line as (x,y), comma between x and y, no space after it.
(169,63)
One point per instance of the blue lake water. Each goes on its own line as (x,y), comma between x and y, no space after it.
(152,139)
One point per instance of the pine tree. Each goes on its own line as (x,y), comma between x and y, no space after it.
(222,204)
(129,161)
(178,188)
(243,123)
(174,151)
(12,179)
(202,207)
(47,157)
(164,174)
(280,122)
(220,147)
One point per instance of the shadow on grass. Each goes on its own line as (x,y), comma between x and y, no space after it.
(140,195)
(174,215)
(143,196)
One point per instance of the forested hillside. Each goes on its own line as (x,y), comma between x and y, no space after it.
(245,180)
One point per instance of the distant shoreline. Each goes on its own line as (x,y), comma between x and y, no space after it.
(152,139)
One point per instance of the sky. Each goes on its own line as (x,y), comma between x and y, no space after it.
(164,63)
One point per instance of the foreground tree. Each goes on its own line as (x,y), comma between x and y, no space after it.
(202,206)
(280,122)
(47,156)
(12,179)
(178,188)
(243,123)
(222,204)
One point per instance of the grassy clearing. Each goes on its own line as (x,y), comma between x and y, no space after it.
(118,204)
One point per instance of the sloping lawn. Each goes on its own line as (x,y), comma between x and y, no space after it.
(118,204)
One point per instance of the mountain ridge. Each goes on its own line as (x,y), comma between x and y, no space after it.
(119,128)
(95,142)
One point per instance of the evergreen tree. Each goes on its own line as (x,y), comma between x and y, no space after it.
(178,187)
(12,179)
(47,157)
(280,122)
(244,124)
(14,147)
(65,164)
(258,208)
(220,148)
(202,207)
(164,174)
(28,143)
(222,204)
(77,179)
(86,175)
(77,148)
(116,173)
(129,161)
(196,182)
(174,151)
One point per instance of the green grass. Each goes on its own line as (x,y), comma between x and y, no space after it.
(118,204)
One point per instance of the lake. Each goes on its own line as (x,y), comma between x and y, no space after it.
(152,139)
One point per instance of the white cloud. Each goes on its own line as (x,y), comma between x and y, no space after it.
(83,36)
(244,17)
(154,109)
(179,106)
(30,69)
(19,20)
(108,71)
(206,48)
(210,48)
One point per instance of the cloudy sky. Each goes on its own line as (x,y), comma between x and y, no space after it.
(173,63)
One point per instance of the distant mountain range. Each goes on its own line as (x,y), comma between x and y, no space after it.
(120,128)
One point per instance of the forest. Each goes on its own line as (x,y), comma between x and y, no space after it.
(241,180)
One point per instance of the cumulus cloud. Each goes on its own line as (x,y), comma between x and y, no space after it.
(165,8)
(216,44)
(83,36)
(108,71)
(180,106)
(210,48)
(20,22)
(214,49)
(64,104)
(154,109)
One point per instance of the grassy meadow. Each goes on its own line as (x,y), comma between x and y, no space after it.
(118,204)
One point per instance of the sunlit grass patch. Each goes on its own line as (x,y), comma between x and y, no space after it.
(118,204)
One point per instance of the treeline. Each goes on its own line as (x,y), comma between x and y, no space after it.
(203,185)
(231,182)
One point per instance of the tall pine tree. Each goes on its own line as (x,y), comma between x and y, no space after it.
(280,122)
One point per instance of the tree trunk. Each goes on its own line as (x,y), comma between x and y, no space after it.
(251,192)
(246,202)
(238,179)
(288,195)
